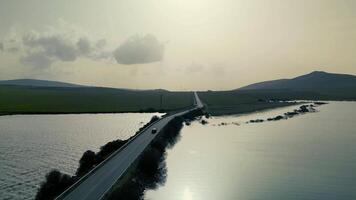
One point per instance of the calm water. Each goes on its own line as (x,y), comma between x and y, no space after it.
(311,156)
(31,145)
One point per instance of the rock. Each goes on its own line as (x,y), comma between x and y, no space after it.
(279,117)
(256,121)
(291,114)
(203,121)
(303,109)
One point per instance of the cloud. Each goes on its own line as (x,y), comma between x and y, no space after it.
(13,49)
(42,49)
(100,43)
(67,43)
(84,46)
(38,59)
(54,46)
(63,42)
(9,48)
(139,50)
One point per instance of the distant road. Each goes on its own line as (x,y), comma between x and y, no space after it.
(98,182)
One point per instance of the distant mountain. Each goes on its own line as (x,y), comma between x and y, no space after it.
(314,81)
(37,83)
(47,83)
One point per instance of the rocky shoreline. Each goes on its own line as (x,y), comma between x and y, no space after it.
(303,109)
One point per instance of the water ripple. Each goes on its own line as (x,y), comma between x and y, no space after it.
(32,145)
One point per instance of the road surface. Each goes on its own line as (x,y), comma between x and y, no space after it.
(98,182)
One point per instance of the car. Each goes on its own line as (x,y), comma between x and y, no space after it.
(154,130)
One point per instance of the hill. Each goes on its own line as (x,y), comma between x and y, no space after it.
(316,80)
(314,86)
(38,83)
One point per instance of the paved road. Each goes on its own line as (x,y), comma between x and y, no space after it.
(103,178)
(197,101)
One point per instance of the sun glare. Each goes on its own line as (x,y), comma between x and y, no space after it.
(187,194)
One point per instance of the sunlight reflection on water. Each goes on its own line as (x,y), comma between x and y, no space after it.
(310,156)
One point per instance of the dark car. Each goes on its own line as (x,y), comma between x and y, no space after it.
(154,130)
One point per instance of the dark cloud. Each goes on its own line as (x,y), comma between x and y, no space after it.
(39,59)
(139,50)
(84,46)
(100,43)
(13,49)
(10,46)
(53,46)
(41,50)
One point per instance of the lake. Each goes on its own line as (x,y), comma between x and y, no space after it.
(32,145)
(310,156)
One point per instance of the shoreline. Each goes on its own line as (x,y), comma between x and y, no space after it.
(220,112)
(82,113)
(79,113)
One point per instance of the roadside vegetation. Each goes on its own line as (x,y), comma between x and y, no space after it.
(57,100)
(57,182)
(150,168)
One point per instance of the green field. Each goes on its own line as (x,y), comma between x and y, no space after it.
(41,100)
(243,101)
(225,103)
(37,100)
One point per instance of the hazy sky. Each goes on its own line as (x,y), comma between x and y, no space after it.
(175,44)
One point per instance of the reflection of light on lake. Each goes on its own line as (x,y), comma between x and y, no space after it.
(273,160)
(187,194)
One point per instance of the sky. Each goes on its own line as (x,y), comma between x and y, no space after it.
(175,44)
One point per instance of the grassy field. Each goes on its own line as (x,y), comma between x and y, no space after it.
(234,102)
(225,103)
(37,100)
